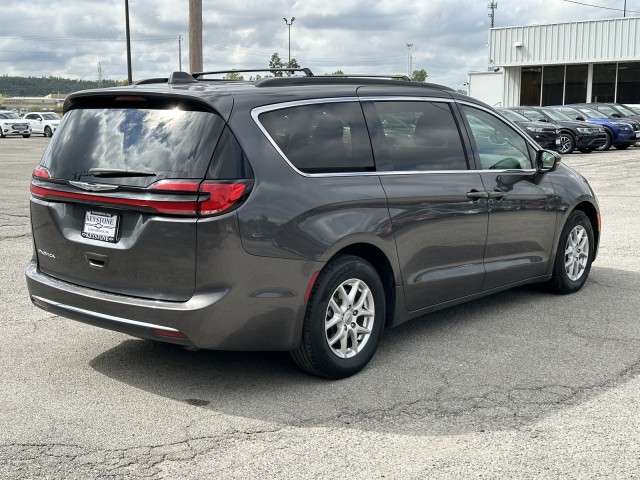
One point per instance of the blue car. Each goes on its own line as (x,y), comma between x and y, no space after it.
(621,133)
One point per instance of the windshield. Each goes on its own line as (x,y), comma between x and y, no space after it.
(51,116)
(9,115)
(624,109)
(513,116)
(557,115)
(591,113)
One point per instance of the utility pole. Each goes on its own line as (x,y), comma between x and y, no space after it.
(195,36)
(409,58)
(289,25)
(179,53)
(126,14)
(492,6)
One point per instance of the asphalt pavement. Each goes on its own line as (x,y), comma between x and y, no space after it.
(523,384)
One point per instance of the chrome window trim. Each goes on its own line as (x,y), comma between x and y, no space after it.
(257,111)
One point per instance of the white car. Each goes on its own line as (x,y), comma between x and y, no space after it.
(44,123)
(12,124)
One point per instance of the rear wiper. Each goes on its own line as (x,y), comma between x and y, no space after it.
(119,172)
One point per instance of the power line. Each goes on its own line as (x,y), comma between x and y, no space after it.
(601,7)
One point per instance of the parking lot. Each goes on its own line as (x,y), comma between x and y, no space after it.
(523,384)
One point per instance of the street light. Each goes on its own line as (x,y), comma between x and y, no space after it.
(126,14)
(289,25)
(409,45)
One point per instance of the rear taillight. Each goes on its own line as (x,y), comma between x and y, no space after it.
(41,172)
(180,197)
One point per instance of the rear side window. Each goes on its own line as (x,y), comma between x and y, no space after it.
(322,138)
(160,143)
(421,136)
(229,161)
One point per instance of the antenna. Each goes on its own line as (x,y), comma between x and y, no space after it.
(493,6)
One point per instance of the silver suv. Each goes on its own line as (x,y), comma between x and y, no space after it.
(296,213)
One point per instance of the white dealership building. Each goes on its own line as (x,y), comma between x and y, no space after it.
(561,63)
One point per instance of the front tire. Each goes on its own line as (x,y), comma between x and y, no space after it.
(586,150)
(567,143)
(574,255)
(622,147)
(607,143)
(343,320)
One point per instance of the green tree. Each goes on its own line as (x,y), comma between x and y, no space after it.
(338,72)
(276,62)
(419,75)
(233,76)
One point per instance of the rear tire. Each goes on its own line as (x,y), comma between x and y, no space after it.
(622,147)
(47,132)
(343,320)
(607,144)
(574,255)
(26,136)
(585,150)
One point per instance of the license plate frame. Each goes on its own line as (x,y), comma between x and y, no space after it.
(100,225)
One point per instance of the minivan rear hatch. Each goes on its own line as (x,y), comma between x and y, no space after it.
(115,200)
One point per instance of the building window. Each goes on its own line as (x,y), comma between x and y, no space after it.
(576,84)
(628,83)
(604,82)
(531,81)
(552,85)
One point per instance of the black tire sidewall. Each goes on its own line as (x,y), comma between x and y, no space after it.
(344,268)
(561,281)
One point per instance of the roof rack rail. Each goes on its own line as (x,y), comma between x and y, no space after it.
(364,75)
(151,80)
(347,80)
(306,71)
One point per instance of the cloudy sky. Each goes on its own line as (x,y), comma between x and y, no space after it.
(71,38)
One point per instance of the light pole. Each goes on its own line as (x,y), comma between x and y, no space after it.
(289,22)
(126,13)
(409,45)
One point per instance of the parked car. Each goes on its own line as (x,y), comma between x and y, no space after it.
(281,214)
(11,124)
(546,134)
(573,134)
(620,133)
(44,123)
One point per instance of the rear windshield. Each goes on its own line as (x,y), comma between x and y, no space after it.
(148,144)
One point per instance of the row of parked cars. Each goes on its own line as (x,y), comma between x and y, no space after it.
(582,127)
(42,123)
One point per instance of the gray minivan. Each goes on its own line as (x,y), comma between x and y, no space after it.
(295,213)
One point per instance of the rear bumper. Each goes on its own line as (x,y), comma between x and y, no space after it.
(219,319)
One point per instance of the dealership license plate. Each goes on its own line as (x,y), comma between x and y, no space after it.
(557,142)
(637,134)
(100,226)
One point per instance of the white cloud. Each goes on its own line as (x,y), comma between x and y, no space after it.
(70,38)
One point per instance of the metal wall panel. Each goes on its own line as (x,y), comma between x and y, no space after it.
(564,43)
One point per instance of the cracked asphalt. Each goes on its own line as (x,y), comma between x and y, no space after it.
(523,384)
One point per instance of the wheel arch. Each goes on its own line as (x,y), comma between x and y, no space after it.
(378,259)
(594,217)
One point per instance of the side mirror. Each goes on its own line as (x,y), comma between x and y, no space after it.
(547,161)
(616,115)
(580,119)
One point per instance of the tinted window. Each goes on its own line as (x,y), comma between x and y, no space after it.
(320,138)
(229,161)
(171,143)
(498,145)
(421,136)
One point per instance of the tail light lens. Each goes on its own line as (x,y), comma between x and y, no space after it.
(179,197)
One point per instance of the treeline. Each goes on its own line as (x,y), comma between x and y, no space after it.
(41,86)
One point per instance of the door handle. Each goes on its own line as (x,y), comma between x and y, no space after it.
(497,194)
(475,195)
